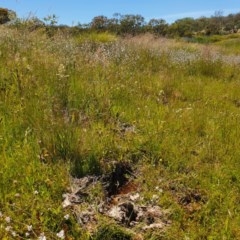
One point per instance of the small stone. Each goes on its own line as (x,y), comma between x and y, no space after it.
(116,213)
(8,219)
(66,202)
(134,197)
(29,228)
(154,225)
(155,211)
(61,234)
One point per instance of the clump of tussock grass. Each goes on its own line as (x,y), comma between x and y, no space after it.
(111,232)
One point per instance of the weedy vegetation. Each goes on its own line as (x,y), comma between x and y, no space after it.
(70,106)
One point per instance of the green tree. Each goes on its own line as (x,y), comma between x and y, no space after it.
(157,26)
(99,23)
(182,27)
(51,20)
(131,24)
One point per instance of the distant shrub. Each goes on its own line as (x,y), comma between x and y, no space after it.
(7,15)
(4,15)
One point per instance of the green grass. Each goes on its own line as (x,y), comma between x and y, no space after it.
(214,38)
(231,46)
(95,37)
(62,104)
(228,44)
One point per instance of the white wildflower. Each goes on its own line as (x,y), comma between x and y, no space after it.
(155,197)
(36,192)
(42,237)
(8,219)
(179,110)
(61,234)
(62,71)
(8,228)
(29,228)
(66,216)
(17,195)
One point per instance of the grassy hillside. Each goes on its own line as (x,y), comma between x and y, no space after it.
(71,106)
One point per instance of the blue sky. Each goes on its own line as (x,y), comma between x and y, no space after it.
(71,12)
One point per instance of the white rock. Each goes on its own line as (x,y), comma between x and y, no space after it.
(153,225)
(134,197)
(66,202)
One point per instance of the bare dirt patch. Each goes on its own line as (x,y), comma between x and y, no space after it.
(118,198)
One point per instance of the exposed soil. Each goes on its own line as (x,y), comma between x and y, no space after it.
(122,201)
(117,179)
(191,200)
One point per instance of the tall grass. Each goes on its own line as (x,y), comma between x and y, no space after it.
(64,107)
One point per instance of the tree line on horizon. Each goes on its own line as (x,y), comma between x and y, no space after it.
(134,24)
(185,27)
